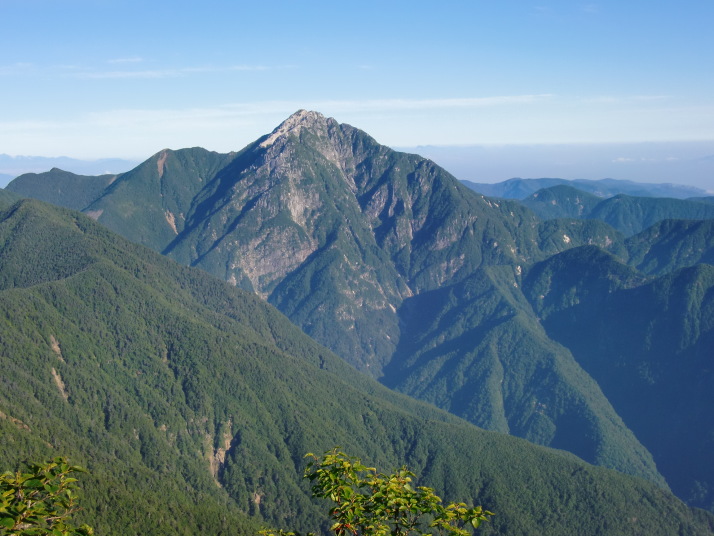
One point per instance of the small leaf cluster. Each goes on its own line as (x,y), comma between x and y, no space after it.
(369,503)
(41,501)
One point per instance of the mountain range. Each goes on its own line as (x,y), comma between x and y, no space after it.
(518,188)
(192,402)
(13,166)
(474,304)
(626,213)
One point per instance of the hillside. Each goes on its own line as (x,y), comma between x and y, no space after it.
(647,342)
(628,214)
(672,244)
(192,402)
(394,265)
(62,187)
(518,188)
(7,198)
(561,201)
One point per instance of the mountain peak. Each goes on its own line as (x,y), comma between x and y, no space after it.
(293,125)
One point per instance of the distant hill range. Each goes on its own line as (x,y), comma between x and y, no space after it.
(626,213)
(522,188)
(447,295)
(13,166)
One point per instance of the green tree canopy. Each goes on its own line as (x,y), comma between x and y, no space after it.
(41,501)
(369,503)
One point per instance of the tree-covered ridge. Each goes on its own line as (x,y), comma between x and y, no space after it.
(626,213)
(518,188)
(191,403)
(8,198)
(672,244)
(62,187)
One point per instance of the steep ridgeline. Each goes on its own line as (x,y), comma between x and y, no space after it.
(648,343)
(192,403)
(628,214)
(390,262)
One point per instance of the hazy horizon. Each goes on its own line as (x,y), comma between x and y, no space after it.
(685,163)
(124,79)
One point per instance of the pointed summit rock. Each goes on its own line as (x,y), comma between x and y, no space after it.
(295,123)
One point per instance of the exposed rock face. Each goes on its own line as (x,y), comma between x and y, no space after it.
(337,230)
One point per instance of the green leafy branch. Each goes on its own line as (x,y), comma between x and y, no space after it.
(41,501)
(369,503)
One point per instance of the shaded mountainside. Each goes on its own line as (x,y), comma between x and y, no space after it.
(478,351)
(631,215)
(709,199)
(663,246)
(648,343)
(672,244)
(191,403)
(7,198)
(390,262)
(627,214)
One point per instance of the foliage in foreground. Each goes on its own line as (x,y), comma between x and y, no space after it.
(370,503)
(41,501)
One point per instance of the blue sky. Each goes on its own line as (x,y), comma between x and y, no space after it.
(122,78)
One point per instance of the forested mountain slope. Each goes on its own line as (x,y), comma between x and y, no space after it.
(648,342)
(672,244)
(192,402)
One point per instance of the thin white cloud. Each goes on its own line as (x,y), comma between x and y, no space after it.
(612,99)
(541,118)
(239,112)
(143,74)
(134,59)
(166,73)
(601,100)
(647,98)
(229,68)
(236,110)
(425,104)
(626,159)
(17,68)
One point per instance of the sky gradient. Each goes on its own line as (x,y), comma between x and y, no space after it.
(122,78)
